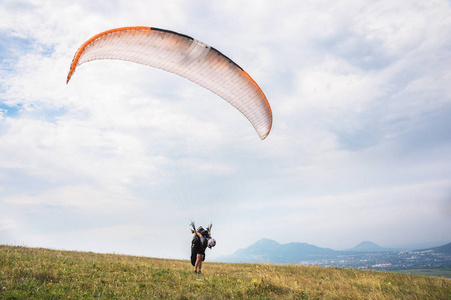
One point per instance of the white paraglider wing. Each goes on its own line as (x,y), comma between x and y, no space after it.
(187,57)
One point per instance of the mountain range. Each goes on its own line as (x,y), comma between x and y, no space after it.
(269,251)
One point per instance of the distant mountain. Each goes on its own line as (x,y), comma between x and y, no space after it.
(370,247)
(441,249)
(269,251)
(366,255)
(264,244)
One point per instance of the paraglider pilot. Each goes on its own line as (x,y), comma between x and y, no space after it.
(201,240)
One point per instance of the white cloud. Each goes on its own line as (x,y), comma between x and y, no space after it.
(86,198)
(6,224)
(345,219)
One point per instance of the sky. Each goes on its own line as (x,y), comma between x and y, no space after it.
(122,158)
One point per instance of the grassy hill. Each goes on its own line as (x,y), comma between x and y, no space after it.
(34,273)
(437,272)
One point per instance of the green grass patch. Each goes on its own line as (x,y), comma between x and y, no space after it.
(437,272)
(35,273)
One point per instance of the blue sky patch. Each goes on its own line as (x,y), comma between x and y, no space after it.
(12,47)
(9,111)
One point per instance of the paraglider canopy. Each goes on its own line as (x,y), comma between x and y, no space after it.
(181,54)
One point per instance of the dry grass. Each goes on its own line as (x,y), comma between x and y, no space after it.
(31,273)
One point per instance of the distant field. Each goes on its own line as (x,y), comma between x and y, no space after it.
(437,272)
(35,273)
